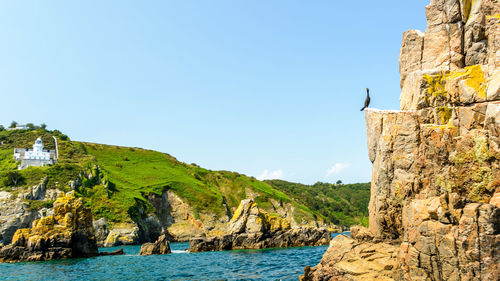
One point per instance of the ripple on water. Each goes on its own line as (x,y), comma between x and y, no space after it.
(268,264)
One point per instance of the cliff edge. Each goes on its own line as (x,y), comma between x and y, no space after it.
(435,190)
(68,233)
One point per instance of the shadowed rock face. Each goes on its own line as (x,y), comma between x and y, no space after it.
(435,193)
(66,234)
(251,228)
(160,247)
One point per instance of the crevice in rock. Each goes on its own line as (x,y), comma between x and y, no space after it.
(478,239)
(449,46)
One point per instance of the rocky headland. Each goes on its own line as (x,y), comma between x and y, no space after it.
(135,201)
(252,228)
(435,190)
(68,233)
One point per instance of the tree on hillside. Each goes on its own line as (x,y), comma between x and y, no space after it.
(339,182)
(30,126)
(43,126)
(2,128)
(13,178)
(13,124)
(60,135)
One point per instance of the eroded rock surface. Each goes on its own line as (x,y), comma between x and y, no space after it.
(348,259)
(123,234)
(15,211)
(66,234)
(435,192)
(160,247)
(251,228)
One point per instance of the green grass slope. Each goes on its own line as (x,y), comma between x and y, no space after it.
(137,172)
(116,181)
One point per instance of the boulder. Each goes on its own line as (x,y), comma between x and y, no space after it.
(160,247)
(66,234)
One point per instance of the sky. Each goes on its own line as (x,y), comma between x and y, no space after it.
(271,89)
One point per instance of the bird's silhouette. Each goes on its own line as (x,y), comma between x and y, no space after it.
(367,100)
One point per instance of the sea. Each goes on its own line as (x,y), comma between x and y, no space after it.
(266,264)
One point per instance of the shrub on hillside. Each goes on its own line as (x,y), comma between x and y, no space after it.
(13,178)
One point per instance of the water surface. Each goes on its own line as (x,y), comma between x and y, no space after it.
(267,264)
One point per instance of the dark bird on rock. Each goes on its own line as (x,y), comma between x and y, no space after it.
(367,100)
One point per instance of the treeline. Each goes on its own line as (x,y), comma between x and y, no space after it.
(340,204)
(33,127)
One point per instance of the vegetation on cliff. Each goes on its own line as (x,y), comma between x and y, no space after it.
(340,204)
(116,182)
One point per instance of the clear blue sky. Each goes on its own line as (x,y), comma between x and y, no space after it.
(264,88)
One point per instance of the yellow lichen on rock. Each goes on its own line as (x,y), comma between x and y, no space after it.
(277,223)
(67,233)
(473,77)
(69,215)
(444,114)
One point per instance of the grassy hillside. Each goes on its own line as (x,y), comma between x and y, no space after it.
(137,172)
(340,204)
(115,181)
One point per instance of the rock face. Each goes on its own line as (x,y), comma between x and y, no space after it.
(347,259)
(160,247)
(15,212)
(66,234)
(124,234)
(251,228)
(435,189)
(101,231)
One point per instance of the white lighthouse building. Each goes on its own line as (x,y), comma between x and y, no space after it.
(35,157)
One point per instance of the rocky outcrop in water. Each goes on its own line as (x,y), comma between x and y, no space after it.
(66,234)
(251,228)
(436,165)
(160,247)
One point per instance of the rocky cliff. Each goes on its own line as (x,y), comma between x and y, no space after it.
(435,193)
(68,233)
(20,208)
(252,228)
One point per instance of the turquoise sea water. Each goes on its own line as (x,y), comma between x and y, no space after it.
(267,264)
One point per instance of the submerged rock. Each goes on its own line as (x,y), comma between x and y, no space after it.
(113,253)
(251,228)
(160,247)
(66,234)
